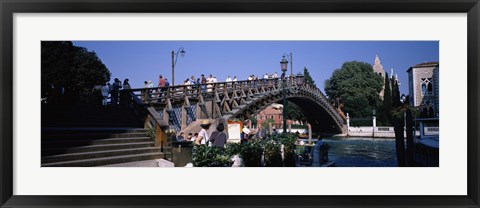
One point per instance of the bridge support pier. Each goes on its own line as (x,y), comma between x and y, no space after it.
(184,117)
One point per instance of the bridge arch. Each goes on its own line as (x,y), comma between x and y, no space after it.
(229,100)
(319,114)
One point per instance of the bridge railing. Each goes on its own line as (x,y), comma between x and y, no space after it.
(158,94)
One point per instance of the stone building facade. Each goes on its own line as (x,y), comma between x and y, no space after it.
(378,69)
(423,87)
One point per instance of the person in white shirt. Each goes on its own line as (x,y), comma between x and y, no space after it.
(209,83)
(265,76)
(246,132)
(275,75)
(214,80)
(228,79)
(203,137)
(210,79)
(105,91)
(194,137)
(234,78)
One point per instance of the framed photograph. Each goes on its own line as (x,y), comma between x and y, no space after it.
(246,104)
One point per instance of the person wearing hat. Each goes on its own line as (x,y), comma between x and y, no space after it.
(203,136)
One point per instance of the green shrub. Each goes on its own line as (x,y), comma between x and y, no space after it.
(205,156)
(273,154)
(232,149)
(252,152)
(288,141)
(151,133)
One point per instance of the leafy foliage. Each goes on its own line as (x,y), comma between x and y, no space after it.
(367,121)
(151,132)
(251,152)
(387,99)
(74,68)
(254,121)
(268,121)
(288,142)
(205,156)
(308,78)
(395,94)
(232,149)
(357,87)
(294,112)
(273,157)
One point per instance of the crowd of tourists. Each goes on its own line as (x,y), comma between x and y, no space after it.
(218,137)
(112,91)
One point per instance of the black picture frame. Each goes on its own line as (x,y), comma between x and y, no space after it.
(10,7)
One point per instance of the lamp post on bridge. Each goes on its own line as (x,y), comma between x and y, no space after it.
(180,51)
(284,66)
(290,58)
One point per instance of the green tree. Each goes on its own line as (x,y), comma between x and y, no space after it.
(307,76)
(266,122)
(254,120)
(294,112)
(357,87)
(396,94)
(387,96)
(74,68)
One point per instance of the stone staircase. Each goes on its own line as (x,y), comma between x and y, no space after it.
(83,137)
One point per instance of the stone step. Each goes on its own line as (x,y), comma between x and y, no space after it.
(93,148)
(76,143)
(91,130)
(88,136)
(91,124)
(98,154)
(106,160)
(143,163)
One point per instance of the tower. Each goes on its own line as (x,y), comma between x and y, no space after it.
(378,69)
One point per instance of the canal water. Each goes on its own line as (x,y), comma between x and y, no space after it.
(362,152)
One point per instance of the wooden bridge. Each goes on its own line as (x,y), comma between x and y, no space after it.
(179,106)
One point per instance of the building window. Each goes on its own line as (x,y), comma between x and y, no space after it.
(424,89)
(430,88)
(427,86)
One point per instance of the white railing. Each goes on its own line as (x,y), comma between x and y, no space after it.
(430,131)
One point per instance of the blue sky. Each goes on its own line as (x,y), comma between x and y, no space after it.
(140,61)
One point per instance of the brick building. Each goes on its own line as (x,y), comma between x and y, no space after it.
(273,112)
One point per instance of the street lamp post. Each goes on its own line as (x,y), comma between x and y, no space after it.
(284,66)
(290,58)
(180,51)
